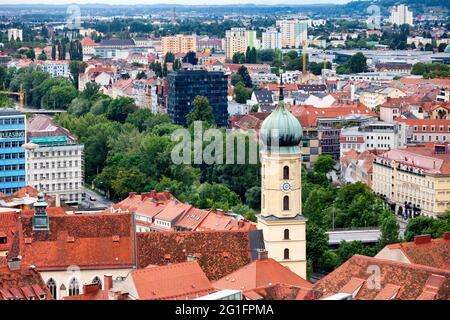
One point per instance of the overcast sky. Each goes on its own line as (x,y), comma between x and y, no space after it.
(298,2)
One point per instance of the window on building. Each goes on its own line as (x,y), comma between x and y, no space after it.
(286,172)
(286,254)
(286,203)
(51,284)
(286,234)
(74,287)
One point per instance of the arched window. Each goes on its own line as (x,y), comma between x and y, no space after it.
(74,287)
(286,172)
(286,234)
(286,254)
(51,284)
(286,203)
(98,281)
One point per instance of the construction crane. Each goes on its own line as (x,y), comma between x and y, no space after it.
(21,95)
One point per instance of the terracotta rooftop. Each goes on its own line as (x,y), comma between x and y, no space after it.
(260,273)
(414,281)
(428,252)
(280,291)
(25,284)
(89,241)
(8,227)
(179,281)
(217,252)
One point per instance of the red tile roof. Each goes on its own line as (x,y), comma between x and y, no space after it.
(260,273)
(8,227)
(88,241)
(308,115)
(433,253)
(219,221)
(280,291)
(22,284)
(414,280)
(183,281)
(218,252)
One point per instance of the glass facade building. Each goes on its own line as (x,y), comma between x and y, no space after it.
(185,85)
(12,155)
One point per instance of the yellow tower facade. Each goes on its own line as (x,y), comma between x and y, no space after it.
(281,219)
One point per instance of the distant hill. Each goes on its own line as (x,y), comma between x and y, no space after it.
(418,6)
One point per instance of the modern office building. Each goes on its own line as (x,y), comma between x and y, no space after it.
(185,85)
(54,160)
(373,136)
(179,44)
(238,39)
(293,32)
(401,15)
(12,155)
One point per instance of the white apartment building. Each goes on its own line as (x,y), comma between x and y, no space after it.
(57,170)
(293,32)
(373,136)
(58,68)
(238,39)
(401,15)
(14,34)
(271,39)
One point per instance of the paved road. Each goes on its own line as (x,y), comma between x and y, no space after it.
(99,202)
(365,236)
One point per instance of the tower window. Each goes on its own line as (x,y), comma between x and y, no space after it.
(286,254)
(74,287)
(286,172)
(286,234)
(286,203)
(51,284)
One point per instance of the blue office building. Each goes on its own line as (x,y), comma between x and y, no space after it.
(12,155)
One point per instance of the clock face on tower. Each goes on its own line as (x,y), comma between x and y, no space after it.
(286,186)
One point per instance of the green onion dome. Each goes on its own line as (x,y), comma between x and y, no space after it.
(283,124)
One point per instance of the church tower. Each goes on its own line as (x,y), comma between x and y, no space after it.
(281,219)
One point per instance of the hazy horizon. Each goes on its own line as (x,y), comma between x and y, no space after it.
(179,2)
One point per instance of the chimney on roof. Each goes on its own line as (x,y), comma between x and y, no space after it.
(262,254)
(91,288)
(426,238)
(446,235)
(57,200)
(153,193)
(219,212)
(131,194)
(107,282)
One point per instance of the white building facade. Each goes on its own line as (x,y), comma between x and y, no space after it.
(57,170)
(271,39)
(401,15)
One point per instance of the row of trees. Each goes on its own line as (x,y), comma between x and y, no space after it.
(431,70)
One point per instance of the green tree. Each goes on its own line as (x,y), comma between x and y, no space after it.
(201,111)
(75,68)
(324,164)
(170,57)
(42,57)
(120,108)
(239,57)
(79,106)
(316,244)
(243,72)
(242,94)
(128,179)
(253,197)
(389,230)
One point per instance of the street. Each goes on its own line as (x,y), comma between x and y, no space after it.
(100,202)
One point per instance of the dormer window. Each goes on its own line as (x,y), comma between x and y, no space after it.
(3,238)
